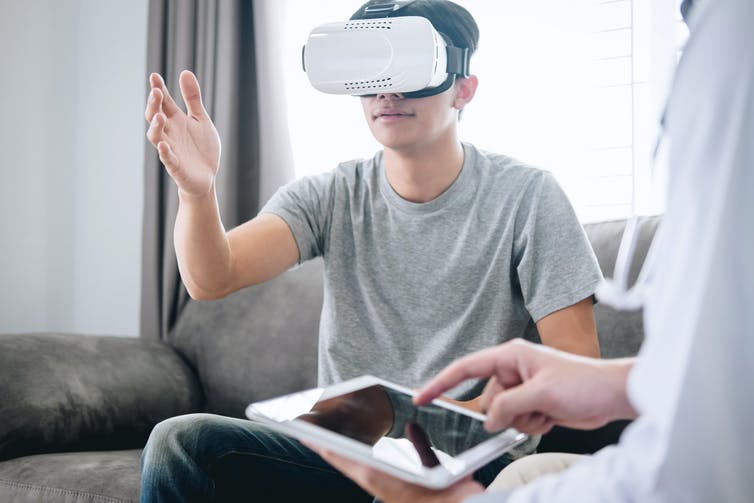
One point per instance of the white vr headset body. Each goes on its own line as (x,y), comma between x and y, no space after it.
(382,55)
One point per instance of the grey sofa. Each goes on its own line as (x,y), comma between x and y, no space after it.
(75,410)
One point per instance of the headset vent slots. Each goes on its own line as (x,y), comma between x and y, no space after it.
(368,25)
(369,84)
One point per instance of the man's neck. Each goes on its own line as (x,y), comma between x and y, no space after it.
(422,174)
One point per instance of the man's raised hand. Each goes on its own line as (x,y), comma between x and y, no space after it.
(187,143)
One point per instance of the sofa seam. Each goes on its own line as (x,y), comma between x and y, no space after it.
(60,490)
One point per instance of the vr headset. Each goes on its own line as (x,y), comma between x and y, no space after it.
(383,54)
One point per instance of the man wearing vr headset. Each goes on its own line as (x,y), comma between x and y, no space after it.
(432,248)
(691,389)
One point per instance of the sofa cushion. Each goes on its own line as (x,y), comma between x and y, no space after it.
(75,477)
(77,392)
(257,343)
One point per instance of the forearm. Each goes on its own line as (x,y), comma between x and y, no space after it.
(201,246)
(572,330)
(582,344)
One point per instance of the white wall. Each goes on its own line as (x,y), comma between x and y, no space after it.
(71,150)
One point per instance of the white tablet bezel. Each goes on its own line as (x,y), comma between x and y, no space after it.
(438,477)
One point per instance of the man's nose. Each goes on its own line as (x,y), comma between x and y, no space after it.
(390,96)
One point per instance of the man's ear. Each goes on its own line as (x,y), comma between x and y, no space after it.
(465,90)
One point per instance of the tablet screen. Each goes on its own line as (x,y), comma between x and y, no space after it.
(399,432)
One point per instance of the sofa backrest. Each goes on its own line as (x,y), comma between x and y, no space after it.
(262,341)
(621,332)
(257,343)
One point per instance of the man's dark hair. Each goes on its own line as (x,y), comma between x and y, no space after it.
(448,18)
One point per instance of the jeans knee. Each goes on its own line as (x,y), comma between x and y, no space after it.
(173,436)
(172,463)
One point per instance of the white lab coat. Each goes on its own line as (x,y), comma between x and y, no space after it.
(694,380)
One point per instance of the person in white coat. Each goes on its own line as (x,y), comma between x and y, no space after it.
(691,388)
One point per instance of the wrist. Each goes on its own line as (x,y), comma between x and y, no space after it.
(192,198)
(617,372)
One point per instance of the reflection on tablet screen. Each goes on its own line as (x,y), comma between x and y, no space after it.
(400,432)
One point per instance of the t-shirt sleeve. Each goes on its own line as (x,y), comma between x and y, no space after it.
(555,264)
(306,206)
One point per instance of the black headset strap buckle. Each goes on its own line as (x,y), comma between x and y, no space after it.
(385,9)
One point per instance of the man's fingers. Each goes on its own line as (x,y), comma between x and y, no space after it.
(480,364)
(533,424)
(168,104)
(491,389)
(513,402)
(168,158)
(154,104)
(156,129)
(192,95)
(500,361)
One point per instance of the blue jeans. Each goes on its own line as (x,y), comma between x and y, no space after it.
(204,457)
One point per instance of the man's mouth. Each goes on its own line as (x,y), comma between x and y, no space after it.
(391,114)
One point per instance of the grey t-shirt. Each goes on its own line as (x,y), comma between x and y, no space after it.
(411,287)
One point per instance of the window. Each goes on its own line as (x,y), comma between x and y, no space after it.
(575,87)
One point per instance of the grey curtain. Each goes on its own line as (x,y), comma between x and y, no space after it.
(214,39)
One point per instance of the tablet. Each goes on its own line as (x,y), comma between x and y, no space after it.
(375,422)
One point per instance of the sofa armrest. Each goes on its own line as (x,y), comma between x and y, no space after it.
(64,392)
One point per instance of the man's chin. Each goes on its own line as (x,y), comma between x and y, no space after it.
(395,142)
